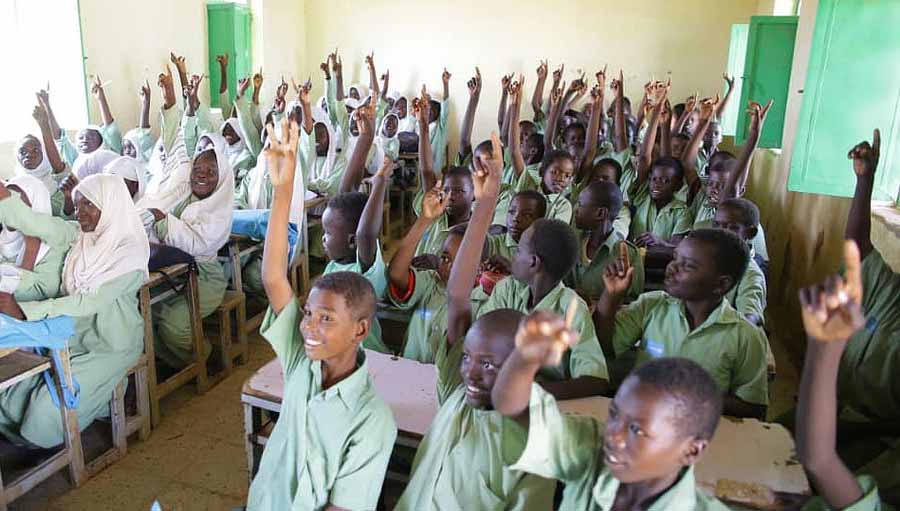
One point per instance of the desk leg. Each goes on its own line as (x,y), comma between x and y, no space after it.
(70,423)
(150,353)
(252,424)
(197,331)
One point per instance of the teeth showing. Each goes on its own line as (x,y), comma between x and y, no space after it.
(612,458)
(312,342)
(473,390)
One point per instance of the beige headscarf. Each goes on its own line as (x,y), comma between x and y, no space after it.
(130,169)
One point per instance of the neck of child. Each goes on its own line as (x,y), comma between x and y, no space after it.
(454,219)
(699,310)
(643,494)
(336,368)
(539,286)
(661,203)
(599,235)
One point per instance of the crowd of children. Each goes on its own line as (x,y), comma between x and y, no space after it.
(592,250)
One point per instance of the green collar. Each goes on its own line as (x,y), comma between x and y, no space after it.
(682,495)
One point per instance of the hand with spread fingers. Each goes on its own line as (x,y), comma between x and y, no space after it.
(488,171)
(543,337)
(281,155)
(831,310)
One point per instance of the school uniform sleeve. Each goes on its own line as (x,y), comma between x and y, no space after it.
(225,104)
(631,320)
(66,150)
(170,121)
(586,358)
(422,284)
(749,380)
(145,143)
(191,133)
(242,194)
(622,223)
(248,126)
(84,304)
(55,232)
(331,101)
(195,238)
(870,501)
(282,331)
(751,292)
(559,446)
(684,222)
(364,462)
(112,137)
(447,359)
(331,184)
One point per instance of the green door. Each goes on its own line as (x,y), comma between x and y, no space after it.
(767,74)
(852,86)
(229,32)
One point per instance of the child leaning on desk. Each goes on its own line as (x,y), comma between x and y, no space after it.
(327,449)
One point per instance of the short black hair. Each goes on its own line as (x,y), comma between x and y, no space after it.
(555,243)
(731,252)
(682,136)
(577,125)
(357,291)
(608,196)
(536,196)
(350,205)
(486,147)
(669,162)
(458,171)
(612,163)
(718,160)
(747,209)
(554,156)
(526,121)
(537,140)
(460,230)
(699,397)
(502,323)
(678,109)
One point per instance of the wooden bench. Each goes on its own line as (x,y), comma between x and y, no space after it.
(234,304)
(765,451)
(16,367)
(196,370)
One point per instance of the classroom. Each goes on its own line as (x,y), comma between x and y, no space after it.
(273,255)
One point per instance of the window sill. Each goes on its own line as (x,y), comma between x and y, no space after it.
(886,232)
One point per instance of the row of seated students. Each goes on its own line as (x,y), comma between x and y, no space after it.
(573,219)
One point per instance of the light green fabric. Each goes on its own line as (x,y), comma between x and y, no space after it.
(195,126)
(504,199)
(570,448)
(586,357)
(869,502)
(672,220)
(109,333)
(112,137)
(458,464)
(438,136)
(66,149)
(377,275)
(502,245)
(432,241)
(749,296)
(329,446)
(249,126)
(530,178)
(43,281)
(702,211)
(587,275)
(327,185)
(559,207)
(726,345)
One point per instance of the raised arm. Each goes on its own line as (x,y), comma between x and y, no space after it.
(515,144)
(100,95)
(620,134)
(865,164)
(422,110)
(370,221)
(645,158)
(433,205)
(665,129)
(737,180)
(356,166)
(303,96)
(282,159)
(373,76)
(465,134)
(223,75)
(689,105)
(553,117)
(831,314)
(504,96)
(337,68)
(721,108)
(537,99)
(644,107)
(486,181)
(145,106)
(44,100)
(386,78)
(445,81)
(181,67)
(616,281)
(40,115)
(689,156)
(257,85)
(593,131)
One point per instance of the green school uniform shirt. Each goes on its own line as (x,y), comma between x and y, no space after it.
(585,358)
(757,244)
(673,219)
(329,446)
(869,502)
(749,295)
(427,327)
(726,345)
(569,448)
(587,275)
(458,465)
(376,274)
(438,135)
(502,245)
(326,185)
(530,178)
(559,207)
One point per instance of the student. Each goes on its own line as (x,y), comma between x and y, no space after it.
(239,156)
(868,387)
(171,161)
(524,208)
(464,156)
(330,446)
(105,266)
(557,172)
(606,169)
(691,318)
(97,145)
(323,167)
(39,158)
(138,142)
(387,144)
(29,268)
(195,217)
(599,243)
(748,297)
(547,252)
(660,422)
(438,115)
(831,314)
(424,291)
(131,171)
(457,465)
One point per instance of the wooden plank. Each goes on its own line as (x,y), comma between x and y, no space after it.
(19,366)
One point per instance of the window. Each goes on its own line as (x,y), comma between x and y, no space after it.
(43,42)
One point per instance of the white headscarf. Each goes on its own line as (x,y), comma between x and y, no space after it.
(117,245)
(408,123)
(209,219)
(234,151)
(330,156)
(43,172)
(12,243)
(384,145)
(88,164)
(143,145)
(359,89)
(130,169)
(258,196)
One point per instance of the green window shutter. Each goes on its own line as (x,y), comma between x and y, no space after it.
(767,74)
(229,32)
(852,86)
(737,52)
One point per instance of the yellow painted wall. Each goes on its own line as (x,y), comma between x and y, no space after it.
(416,39)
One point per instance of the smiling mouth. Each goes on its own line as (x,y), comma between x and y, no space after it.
(312,343)
(472,390)
(612,460)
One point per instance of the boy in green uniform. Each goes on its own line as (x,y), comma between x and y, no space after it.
(831,314)
(599,242)
(659,216)
(457,465)
(524,208)
(330,446)
(660,423)
(691,318)
(608,170)
(748,297)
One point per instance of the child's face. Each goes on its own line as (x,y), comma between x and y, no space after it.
(574,141)
(693,274)
(730,219)
(354,93)
(603,172)
(715,186)
(330,328)
(526,129)
(448,255)
(588,212)
(558,175)
(435,111)
(713,136)
(642,442)
(230,135)
(691,122)
(128,149)
(529,151)
(29,153)
(400,108)
(523,211)
(461,194)
(86,213)
(484,352)
(339,237)
(204,174)
(390,127)
(664,182)
(678,145)
(523,263)
(321,139)
(89,141)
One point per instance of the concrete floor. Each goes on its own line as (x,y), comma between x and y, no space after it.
(195,460)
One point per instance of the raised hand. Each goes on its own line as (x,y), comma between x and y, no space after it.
(831,310)
(258,80)
(40,115)
(243,85)
(386,170)
(281,155)
(191,89)
(729,80)
(324,67)
(474,83)
(165,82)
(617,274)
(43,96)
(601,78)
(222,60)
(385,75)
(445,76)
(144,93)
(542,70)
(505,80)
(489,171)
(865,157)
(97,86)
(658,91)
(68,184)
(304,92)
(758,115)
(577,85)
(370,61)
(558,72)
(178,60)
(556,95)
(337,64)
(708,107)
(618,84)
(665,115)
(435,202)
(691,103)
(543,337)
